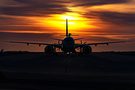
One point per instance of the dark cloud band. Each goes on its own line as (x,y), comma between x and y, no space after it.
(96,2)
(35,8)
(113,17)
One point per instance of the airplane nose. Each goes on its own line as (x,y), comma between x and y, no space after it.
(69,43)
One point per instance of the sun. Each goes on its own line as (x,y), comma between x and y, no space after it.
(68,17)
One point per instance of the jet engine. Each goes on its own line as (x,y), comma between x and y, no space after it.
(49,49)
(87,49)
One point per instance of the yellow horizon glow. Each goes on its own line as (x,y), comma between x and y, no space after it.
(56,24)
(76,23)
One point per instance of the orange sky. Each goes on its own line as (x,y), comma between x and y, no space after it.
(96,21)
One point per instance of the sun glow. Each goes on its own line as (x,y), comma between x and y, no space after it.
(69,17)
(57,23)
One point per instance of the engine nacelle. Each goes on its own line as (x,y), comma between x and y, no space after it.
(49,49)
(87,49)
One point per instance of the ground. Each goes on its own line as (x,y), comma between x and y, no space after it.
(40,71)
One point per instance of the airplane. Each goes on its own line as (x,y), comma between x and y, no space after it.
(68,44)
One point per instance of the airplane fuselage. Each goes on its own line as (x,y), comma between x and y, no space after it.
(68,44)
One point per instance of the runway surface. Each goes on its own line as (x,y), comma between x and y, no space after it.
(95,71)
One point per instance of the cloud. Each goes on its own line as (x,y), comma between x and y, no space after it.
(100,38)
(8,20)
(44,37)
(113,17)
(96,2)
(47,7)
(35,8)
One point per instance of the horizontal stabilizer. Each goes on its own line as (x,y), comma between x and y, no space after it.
(56,39)
(78,38)
(70,35)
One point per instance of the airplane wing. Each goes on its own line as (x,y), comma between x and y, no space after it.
(56,45)
(107,43)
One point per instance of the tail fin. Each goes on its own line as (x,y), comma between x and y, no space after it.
(66,27)
(68,34)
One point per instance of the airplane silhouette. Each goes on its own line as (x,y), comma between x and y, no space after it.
(68,44)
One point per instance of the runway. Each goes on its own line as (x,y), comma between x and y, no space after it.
(95,71)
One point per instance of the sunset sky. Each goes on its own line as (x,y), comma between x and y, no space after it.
(39,20)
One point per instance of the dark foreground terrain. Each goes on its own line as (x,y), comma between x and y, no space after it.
(97,71)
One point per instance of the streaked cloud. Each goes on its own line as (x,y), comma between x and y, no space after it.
(113,17)
(96,2)
(35,8)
